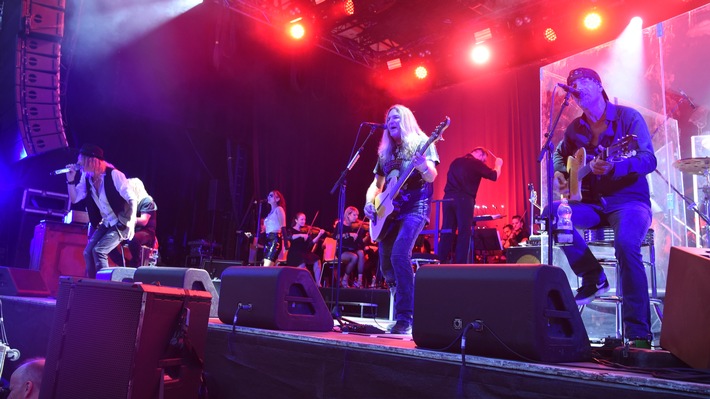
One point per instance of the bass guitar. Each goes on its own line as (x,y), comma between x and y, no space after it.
(578,168)
(384,201)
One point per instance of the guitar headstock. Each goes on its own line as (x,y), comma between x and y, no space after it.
(623,148)
(436,134)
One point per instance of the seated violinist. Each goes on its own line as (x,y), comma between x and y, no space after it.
(303,239)
(353,245)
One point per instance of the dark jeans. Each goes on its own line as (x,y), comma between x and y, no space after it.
(140,238)
(457,215)
(630,222)
(396,262)
(102,241)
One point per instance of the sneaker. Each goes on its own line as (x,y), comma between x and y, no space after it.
(401,327)
(587,292)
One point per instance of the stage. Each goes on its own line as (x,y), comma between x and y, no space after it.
(250,362)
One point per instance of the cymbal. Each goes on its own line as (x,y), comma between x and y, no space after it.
(696,166)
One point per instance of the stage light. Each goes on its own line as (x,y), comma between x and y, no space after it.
(394,64)
(421,72)
(592,20)
(350,7)
(636,22)
(296,29)
(550,35)
(480,54)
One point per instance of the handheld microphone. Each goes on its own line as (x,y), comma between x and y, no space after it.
(63,170)
(569,89)
(376,125)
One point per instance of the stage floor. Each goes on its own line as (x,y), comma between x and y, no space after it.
(245,362)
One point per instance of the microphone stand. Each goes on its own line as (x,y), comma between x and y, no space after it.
(342,183)
(693,206)
(546,153)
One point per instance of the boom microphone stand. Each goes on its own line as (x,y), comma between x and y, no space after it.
(342,183)
(546,152)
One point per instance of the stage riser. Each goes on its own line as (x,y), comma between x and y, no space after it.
(260,363)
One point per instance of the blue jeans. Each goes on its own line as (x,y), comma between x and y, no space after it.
(630,222)
(396,262)
(101,243)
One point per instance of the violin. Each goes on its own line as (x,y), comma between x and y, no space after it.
(361,225)
(311,230)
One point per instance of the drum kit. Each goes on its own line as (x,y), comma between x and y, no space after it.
(700,167)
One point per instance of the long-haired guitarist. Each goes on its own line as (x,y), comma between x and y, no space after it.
(401,146)
(618,195)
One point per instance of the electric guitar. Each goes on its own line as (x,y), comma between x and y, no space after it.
(578,168)
(384,201)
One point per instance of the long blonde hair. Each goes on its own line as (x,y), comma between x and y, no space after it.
(412,135)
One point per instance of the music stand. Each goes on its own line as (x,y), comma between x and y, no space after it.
(486,240)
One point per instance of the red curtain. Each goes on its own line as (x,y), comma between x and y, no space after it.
(501,113)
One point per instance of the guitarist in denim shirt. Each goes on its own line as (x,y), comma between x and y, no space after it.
(399,148)
(618,195)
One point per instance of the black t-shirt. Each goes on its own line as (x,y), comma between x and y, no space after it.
(465,174)
(415,195)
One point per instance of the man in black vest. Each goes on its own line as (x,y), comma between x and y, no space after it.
(110,202)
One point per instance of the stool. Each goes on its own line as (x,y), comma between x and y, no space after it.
(604,237)
(421,259)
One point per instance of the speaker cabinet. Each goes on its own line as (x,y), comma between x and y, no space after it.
(57,250)
(123,274)
(686,315)
(191,279)
(280,298)
(525,311)
(528,255)
(21,282)
(118,340)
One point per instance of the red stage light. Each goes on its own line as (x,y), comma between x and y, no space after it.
(550,35)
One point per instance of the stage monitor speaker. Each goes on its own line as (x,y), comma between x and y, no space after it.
(523,254)
(191,279)
(686,315)
(276,298)
(22,282)
(118,340)
(123,274)
(520,312)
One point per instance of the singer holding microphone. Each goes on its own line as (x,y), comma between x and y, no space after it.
(462,181)
(110,202)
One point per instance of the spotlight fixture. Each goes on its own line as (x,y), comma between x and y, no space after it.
(296,29)
(592,20)
(421,72)
(394,64)
(550,35)
(480,54)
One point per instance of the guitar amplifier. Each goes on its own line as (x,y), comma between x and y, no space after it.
(57,249)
